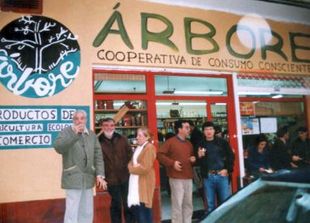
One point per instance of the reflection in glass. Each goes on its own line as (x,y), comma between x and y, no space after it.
(119,83)
(192,86)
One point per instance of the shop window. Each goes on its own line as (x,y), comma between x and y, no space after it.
(170,111)
(278,108)
(119,83)
(219,117)
(268,117)
(190,86)
(128,107)
(273,85)
(129,115)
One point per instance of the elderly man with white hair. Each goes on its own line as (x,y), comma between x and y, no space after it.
(82,165)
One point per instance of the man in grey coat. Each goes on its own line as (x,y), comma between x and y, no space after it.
(82,165)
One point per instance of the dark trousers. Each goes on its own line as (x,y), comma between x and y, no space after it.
(119,201)
(142,213)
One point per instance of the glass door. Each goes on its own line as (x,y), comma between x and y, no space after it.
(157,101)
(169,111)
(219,117)
(194,98)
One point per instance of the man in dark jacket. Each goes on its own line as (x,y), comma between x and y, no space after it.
(280,156)
(195,135)
(216,159)
(301,148)
(116,153)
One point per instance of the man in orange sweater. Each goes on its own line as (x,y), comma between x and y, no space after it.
(177,156)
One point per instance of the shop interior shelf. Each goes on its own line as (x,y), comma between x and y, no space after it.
(124,127)
(116,110)
(169,118)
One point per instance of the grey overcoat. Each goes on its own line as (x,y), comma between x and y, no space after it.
(81,158)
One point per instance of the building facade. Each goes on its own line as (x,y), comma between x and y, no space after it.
(161,62)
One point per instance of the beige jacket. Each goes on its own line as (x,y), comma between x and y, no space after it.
(146,174)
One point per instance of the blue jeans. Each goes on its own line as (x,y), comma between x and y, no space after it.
(216,186)
(142,213)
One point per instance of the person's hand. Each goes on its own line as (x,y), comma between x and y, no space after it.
(261,169)
(296,158)
(192,159)
(269,170)
(177,165)
(223,173)
(137,165)
(101,183)
(78,129)
(293,165)
(201,152)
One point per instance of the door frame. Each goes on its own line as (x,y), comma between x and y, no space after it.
(230,107)
(151,98)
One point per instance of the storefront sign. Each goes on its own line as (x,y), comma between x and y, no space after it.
(39,57)
(254,46)
(34,126)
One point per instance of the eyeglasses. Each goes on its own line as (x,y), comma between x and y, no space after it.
(108,125)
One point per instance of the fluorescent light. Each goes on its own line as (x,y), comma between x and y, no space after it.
(163,103)
(277,96)
(199,92)
(271,91)
(182,103)
(219,103)
(118,104)
(253,93)
(192,103)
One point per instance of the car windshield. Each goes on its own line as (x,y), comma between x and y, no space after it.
(268,202)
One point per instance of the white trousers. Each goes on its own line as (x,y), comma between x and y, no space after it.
(79,206)
(181,200)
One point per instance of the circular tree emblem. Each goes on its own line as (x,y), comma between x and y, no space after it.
(39,57)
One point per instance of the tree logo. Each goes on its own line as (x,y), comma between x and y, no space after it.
(39,57)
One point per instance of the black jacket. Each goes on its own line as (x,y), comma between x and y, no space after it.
(225,152)
(196,138)
(279,155)
(302,149)
(116,155)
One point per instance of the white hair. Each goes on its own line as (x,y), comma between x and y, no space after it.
(79,112)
